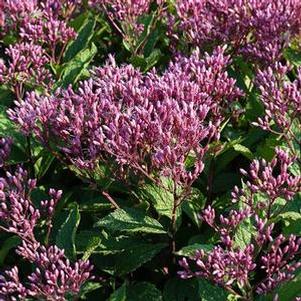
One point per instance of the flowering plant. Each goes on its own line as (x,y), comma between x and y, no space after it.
(150,150)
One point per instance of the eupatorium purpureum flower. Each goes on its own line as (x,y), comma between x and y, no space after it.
(258,29)
(282,102)
(41,22)
(5,148)
(54,276)
(229,264)
(25,67)
(149,122)
(126,13)
(271,179)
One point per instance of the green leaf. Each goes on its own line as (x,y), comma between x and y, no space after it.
(162,199)
(65,238)
(193,206)
(177,289)
(153,59)
(82,41)
(293,56)
(134,257)
(210,292)
(75,68)
(243,150)
(131,221)
(143,291)
(7,245)
(119,295)
(127,253)
(292,222)
(9,129)
(243,234)
(191,249)
(193,290)
(291,289)
(87,288)
(87,242)
(43,163)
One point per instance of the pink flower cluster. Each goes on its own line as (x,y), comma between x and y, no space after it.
(26,67)
(272,180)
(127,13)
(54,276)
(41,22)
(281,99)
(149,122)
(229,264)
(258,29)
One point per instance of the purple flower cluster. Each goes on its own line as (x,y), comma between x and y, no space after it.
(229,264)
(149,122)
(282,101)
(54,276)
(258,29)
(272,180)
(126,13)
(26,66)
(41,22)
(5,149)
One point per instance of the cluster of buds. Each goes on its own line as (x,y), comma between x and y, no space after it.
(282,102)
(272,180)
(257,29)
(151,123)
(54,277)
(41,22)
(230,265)
(125,13)
(26,67)
(5,149)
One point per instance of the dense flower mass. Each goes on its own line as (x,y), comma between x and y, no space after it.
(41,22)
(54,276)
(26,66)
(272,179)
(229,264)
(257,29)
(173,128)
(149,122)
(127,13)
(282,101)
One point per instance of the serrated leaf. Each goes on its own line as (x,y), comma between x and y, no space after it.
(191,249)
(136,256)
(65,238)
(119,295)
(243,234)
(131,221)
(161,198)
(210,292)
(73,70)
(82,40)
(243,150)
(87,288)
(143,291)
(87,242)
(7,245)
(193,205)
